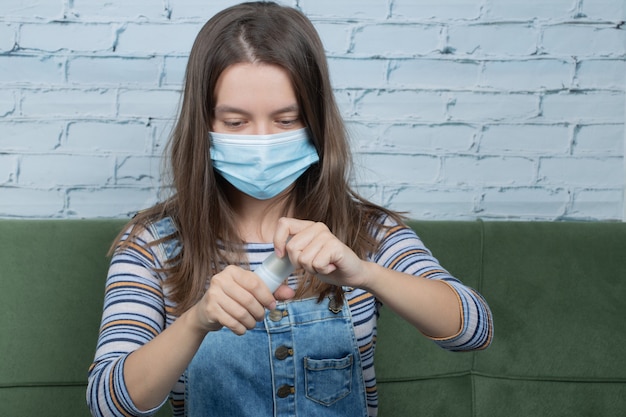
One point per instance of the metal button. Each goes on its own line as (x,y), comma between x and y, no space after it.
(282,352)
(276,315)
(285,391)
(334,305)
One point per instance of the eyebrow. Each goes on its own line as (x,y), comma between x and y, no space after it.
(231,109)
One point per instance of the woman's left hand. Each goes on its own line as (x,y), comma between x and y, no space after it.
(430,305)
(313,247)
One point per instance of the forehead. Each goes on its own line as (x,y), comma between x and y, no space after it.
(254,85)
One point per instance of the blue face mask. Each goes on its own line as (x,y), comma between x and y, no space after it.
(262,166)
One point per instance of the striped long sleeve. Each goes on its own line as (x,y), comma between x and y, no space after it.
(134,313)
(402,250)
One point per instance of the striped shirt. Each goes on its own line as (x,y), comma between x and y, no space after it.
(137,307)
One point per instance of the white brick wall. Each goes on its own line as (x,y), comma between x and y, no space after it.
(458,109)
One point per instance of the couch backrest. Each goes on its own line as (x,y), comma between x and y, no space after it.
(557,292)
(52,276)
(558,296)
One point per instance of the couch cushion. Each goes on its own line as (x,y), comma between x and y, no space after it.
(557,292)
(409,366)
(52,278)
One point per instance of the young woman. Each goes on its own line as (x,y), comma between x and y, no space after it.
(260,163)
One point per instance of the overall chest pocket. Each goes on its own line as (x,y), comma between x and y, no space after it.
(328,380)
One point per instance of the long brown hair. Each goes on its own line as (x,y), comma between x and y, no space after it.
(267,33)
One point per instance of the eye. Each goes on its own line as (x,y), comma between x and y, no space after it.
(233,123)
(288,122)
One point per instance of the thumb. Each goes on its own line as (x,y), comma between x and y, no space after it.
(284,292)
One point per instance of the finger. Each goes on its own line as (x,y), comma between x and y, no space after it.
(304,250)
(233,324)
(215,311)
(232,312)
(286,228)
(256,290)
(240,292)
(283,292)
(324,260)
(252,302)
(323,266)
(244,307)
(314,249)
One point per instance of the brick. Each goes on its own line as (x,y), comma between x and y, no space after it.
(606,139)
(149,103)
(161,133)
(67,170)
(584,106)
(30,70)
(56,36)
(7,102)
(357,73)
(345,100)
(364,136)
(363,9)
(492,107)
(396,168)
(429,204)
(436,9)
(488,170)
(8,169)
(32,9)
(97,137)
(151,38)
(578,171)
(202,9)
(491,39)
(530,9)
(118,10)
(174,71)
(110,70)
(30,136)
(601,74)
(525,138)
(7,37)
(429,138)
(395,105)
(523,202)
(597,204)
(109,202)
(434,73)
(335,36)
(371,192)
(138,170)
(68,103)
(396,39)
(609,10)
(527,75)
(25,202)
(583,40)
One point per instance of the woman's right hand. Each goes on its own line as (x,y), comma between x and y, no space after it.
(236,298)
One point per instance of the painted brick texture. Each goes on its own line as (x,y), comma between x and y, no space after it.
(464,109)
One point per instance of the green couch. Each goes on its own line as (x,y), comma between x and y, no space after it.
(557,292)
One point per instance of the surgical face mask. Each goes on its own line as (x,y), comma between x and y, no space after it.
(262,166)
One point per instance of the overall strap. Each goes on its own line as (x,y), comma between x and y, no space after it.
(164,228)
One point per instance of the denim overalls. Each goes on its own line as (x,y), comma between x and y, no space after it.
(301,360)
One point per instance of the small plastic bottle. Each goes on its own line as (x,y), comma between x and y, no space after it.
(274,270)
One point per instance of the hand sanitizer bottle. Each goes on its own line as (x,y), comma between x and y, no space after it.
(274,270)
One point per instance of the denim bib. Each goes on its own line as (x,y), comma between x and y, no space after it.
(301,360)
